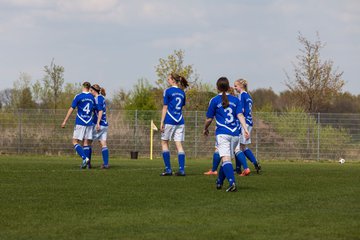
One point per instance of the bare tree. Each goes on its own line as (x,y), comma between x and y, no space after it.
(174,63)
(315,83)
(53,81)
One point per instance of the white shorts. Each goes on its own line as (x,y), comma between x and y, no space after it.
(83,132)
(226,144)
(175,132)
(243,140)
(100,135)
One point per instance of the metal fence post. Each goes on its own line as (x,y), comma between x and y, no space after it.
(196,129)
(135,130)
(318,142)
(20,130)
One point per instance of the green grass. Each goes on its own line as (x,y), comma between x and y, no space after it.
(50,198)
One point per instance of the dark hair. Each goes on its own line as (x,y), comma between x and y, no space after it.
(99,89)
(180,80)
(86,85)
(223,86)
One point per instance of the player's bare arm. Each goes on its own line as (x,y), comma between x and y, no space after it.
(163,114)
(208,121)
(67,117)
(243,124)
(98,120)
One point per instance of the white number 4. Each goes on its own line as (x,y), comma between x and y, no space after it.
(87,108)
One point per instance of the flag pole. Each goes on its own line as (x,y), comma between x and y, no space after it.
(151,139)
(152,129)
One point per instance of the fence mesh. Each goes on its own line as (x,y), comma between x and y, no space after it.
(288,136)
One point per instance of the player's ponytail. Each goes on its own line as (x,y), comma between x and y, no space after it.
(98,89)
(184,83)
(103,92)
(223,86)
(180,80)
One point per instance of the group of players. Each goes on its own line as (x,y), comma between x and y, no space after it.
(90,123)
(232,114)
(233,127)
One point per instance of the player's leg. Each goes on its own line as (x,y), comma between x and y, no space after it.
(105,154)
(88,150)
(102,137)
(221,178)
(165,137)
(249,154)
(225,149)
(181,159)
(240,160)
(88,136)
(179,137)
(78,136)
(215,163)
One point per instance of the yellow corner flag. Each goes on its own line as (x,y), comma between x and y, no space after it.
(153,126)
(152,129)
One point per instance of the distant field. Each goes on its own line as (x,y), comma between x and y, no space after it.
(50,198)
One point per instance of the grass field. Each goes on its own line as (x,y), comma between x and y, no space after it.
(50,198)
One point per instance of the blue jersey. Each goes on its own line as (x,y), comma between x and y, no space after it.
(175,99)
(226,119)
(100,105)
(84,102)
(246,105)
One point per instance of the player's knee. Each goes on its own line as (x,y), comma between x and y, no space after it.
(226,159)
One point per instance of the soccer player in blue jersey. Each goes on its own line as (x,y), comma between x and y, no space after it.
(216,157)
(84,102)
(172,124)
(100,123)
(242,151)
(226,109)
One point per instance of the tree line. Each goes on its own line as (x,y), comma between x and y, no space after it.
(314,86)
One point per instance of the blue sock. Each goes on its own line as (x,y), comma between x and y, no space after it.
(166,157)
(221,176)
(237,163)
(105,155)
(229,172)
(80,151)
(181,159)
(240,157)
(248,153)
(216,161)
(87,151)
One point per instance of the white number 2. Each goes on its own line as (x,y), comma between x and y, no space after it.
(178,100)
(87,108)
(230,117)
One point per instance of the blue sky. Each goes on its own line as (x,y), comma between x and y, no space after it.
(115,43)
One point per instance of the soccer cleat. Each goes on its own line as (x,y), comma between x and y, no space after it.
(232,188)
(246,172)
(104,166)
(85,163)
(180,173)
(210,172)
(258,168)
(165,173)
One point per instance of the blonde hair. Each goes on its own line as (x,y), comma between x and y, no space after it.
(243,82)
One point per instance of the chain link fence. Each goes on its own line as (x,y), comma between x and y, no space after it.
(283,136)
